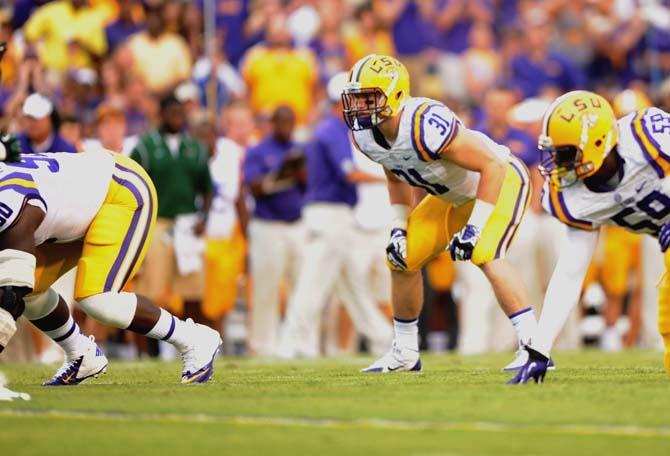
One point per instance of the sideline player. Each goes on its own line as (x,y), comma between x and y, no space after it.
(96,211)
(478,195)
(599,171)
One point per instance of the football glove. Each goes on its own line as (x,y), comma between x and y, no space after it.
(534,369)
(396,250)
(10,149)
(664,237)
(464,242)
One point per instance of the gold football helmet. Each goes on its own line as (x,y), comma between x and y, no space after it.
(376,89)
(578,131)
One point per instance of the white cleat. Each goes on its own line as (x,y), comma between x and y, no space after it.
(520,360)
(199,356)
(89,361)
(8,395)
(396,360)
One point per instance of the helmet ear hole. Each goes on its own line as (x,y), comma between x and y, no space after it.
(398,95)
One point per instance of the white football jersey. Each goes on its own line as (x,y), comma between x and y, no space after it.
(641,202)
(427,128)
(69,188)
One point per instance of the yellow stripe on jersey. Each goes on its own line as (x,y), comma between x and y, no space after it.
(17,181)
(423,153)
(651,150)
(560,210)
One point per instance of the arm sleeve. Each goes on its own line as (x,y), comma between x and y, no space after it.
(205,176)
(252,168)
(140,154)
(434,127)
(565,286)
(34,27)
(339,154)
(554,203)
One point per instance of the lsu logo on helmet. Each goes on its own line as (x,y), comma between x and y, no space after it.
(578,131)
(376,89)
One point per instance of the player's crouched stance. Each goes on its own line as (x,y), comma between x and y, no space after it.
(478,193)
(96,211)
(599,171)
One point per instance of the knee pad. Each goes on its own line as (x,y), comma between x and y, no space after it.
(40,305)
(112,308)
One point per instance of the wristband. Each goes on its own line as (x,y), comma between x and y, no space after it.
(480,214)
(400,216)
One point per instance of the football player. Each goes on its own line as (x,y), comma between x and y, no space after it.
(478,193)
(616,261)
(599,171)
(96,211)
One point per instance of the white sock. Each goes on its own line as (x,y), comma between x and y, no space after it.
(407,333)
(525,325)
(171,329)
(68,337)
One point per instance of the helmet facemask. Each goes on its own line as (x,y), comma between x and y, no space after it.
(563,166)
(364,108)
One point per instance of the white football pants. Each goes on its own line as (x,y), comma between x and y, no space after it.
(275,254)
(329,265)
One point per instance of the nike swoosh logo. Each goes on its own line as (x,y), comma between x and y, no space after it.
(406,158)
(394,369)
(640,187)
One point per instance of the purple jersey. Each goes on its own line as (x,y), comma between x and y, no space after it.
(329,160)
(262,159)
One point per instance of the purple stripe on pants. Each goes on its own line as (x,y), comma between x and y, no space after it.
(111,277)
(524,182)
(147,227)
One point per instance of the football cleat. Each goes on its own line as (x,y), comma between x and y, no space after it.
(8,395)
(534,369)
(521,357)
(88,362)
(396,360)
(199,356)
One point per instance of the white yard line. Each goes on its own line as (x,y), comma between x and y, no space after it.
(336,423)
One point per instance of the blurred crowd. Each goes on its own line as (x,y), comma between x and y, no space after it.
(232,107)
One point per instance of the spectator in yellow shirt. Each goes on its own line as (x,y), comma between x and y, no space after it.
(159,57)
(278,74)
(369,37)
(68,33)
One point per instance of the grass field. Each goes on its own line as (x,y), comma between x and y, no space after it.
(593,404)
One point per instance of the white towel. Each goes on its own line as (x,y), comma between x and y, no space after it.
(188,247)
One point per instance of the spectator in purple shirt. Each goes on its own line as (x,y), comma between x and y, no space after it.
(118,31)
(273,173)
(329,220)
(497,103)
(537,67)
(22,11)
(448,22)
(38,130)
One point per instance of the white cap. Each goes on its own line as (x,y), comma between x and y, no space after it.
(529,110)
(336,86)
(37,106)
(187,91)
(85,76)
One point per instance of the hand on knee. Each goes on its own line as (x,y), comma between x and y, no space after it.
(112,308)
